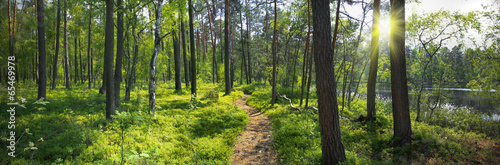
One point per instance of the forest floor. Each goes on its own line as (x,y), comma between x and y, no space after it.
(254,146)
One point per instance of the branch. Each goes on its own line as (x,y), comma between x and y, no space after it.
(291,104)
(161,38)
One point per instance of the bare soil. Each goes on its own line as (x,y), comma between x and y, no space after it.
(254,146)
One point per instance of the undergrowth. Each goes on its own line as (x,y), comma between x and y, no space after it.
(74,130)
(297,138)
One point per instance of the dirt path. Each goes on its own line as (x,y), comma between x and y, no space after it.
(254,146)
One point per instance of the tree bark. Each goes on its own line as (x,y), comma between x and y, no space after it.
(309,79)
(152,65)
(248,44)
(56,56)
(399,87)
(119,52)
(76,59)
(108,61)
(331,142)
(211,19)
(184,53)
(42,80)
(66,48)
(372,77)
(89,52)
(244,66)
(226,48)
(306,52)
(273,96)
(193,50)
(177,62)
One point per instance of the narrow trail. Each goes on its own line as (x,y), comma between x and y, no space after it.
(254,146)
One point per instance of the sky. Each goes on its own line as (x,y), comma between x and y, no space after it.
(429,6)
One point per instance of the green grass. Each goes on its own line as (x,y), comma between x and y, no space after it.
(297,136)
(74,129)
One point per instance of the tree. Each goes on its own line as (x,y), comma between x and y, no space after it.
(108,61)
(89,55)
(67,78)
(42,80)
(328,111)
(184,53)
(273,96)
(248,43)
(226,48)
(399,87)
(306,53)
(119,52)
(177,62)
(58,33)
(193,55)
(372,77)
(152,65)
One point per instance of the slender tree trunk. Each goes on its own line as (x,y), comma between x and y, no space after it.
(245,69)
(372,77)
(131,75)
(306,52)
(108,61)
(56,57)
(66,48)
(248,43)
(331,142)
(42,80)
(192,42)
(309,79)
(211,19)
(184,53)
(76,59)
(152,65)
(119,53)
(226,48)
(82,77)
(273,96)
(177,62)
(89,52)
(399,87)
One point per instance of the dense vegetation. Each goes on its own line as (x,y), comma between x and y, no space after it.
(153,82)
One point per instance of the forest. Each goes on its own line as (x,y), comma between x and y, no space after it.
(249,82)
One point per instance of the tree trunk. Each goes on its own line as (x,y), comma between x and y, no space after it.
(184,53)
(273,96)
(42,80)
(372,77)
(152,65)
(177,62)
(226,48)
(89,54)
(108,61)
(248,45)
(131,75)
(306,52)
(399,87)
(211,19)
(331,142)
(193,50)
(81,62)
(244,66)
(309,79)
(66,47)
(119,52)
(58,33)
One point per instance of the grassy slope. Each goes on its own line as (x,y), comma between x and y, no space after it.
(75,131)
(297,136)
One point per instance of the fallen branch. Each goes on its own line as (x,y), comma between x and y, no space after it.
(291,104)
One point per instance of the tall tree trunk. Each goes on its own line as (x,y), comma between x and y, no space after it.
(211,19)
(244,66)
(372,77)
(76,59)
(119,52)
(131,76)
(56,56)
(177,62)
(248,43)
(331,142)
(306,52)
(309,79)
(226,48)
(273,96)
(66,47)
(82,77)
(184,53)
(191,41)
(89,54)
(399,87)
(42,80)
(108,60)
(152,65)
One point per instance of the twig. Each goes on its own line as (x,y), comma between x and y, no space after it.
(291,104)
